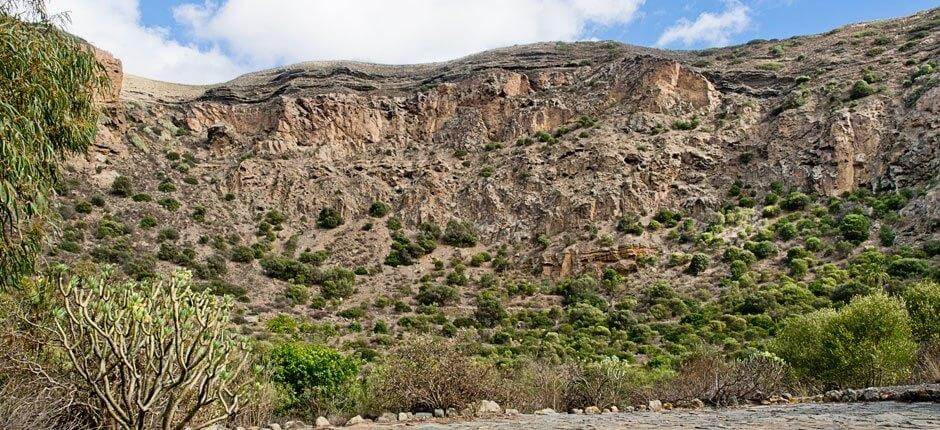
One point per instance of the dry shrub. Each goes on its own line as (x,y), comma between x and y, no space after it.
(928,363)
(425,373)
(537,385)
(611,382)
(30,403)
(718,381)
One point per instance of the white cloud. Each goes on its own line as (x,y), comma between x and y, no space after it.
(221,39)
(115,26)
(268,32)
(709,29)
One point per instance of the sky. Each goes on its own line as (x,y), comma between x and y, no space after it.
(209,41)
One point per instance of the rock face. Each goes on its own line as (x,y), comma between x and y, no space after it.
(542,148)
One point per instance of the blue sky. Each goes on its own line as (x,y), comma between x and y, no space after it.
(199,41)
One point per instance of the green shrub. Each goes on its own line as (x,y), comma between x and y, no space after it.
(166,186)
(142,197)
(310,371)
(147,222)
(923,305)
(122,186)
(169,204)
(489,310)
(436,294)
(461,234)
(855,227)
(698,264)
(242,254)
(786,231)
(329,218)
(762,249)
(83,207)
(795,201)
(337,283)
(908,267)
(630,224)
(861,89)
(70,246)
(168,233)
(297,294)
(378,209)
(691,124)
(866,343)
(667,218)
(315,258)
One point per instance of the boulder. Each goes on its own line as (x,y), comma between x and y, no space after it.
(546,411)
(355,420)
(321,422)
(655,405)
(487,407)
(592,410)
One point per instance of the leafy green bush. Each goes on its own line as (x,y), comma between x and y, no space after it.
(855,227)
(436,294)
(147,222)
(489,310)
(866,343)
(378,209)
(762,249)
(461,234)
(310,371)
(795,201)
(337,283)
(169,204)
(122,186)
(297,294)
(242,254)
(923,305)
(667,218)
(908,267)
(329,218)
(630,224)
(861,89)
(698,264)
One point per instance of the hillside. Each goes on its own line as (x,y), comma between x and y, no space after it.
(357,203)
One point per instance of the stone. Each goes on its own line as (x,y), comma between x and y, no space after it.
(404,416)
(321,422)
(274,426)
(629,409)
(423,415)
(486,407)
(510,411)
(355,421)
(614,409)
(451,412)
(294,425)
(387,417)
(655,405)
(546,411)
(642,408)
(592,410)
(439,413)
(606,410)
(697,403)
(576,411)
(667,406)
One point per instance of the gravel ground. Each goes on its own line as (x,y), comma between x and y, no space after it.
(874,415)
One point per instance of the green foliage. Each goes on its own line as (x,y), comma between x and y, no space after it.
(762,249)
(923,305)
(329,218)
(435,294)
(378,209)
(309,371)
(337,283)
(122,186)
(630,224)
(461,234)
(690,124)
(855,228)
(795,201)
(489,310)
(315,258)
(886,235)
(48,81)
(861,89)
(242,254)
(667,218)
(908,267)
(866,343)
(698,264)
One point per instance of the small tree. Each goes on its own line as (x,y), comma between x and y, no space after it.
(329,218)
(151,354)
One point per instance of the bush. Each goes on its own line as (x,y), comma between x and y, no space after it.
(923,305)
(866,343)
(861,89)
(698,264)
(795,201)
(329,218)
(378,209)
(297,294)
(122,186)
(242,254)
(337,283)
(83,207)
(147,222)
(667,218)
(172,355)
(436,294)
(315,258)
(489,311)
(907,267)
(855,227)
(424,374)
(310,372)
(762,249)
(169,204)
(630,224)
(460,234)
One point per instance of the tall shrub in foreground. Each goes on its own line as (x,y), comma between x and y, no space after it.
(868,342)
(48,81)
(151,354)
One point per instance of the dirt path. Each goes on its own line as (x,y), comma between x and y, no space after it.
(874,415)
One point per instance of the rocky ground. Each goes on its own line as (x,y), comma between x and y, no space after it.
(877,415)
